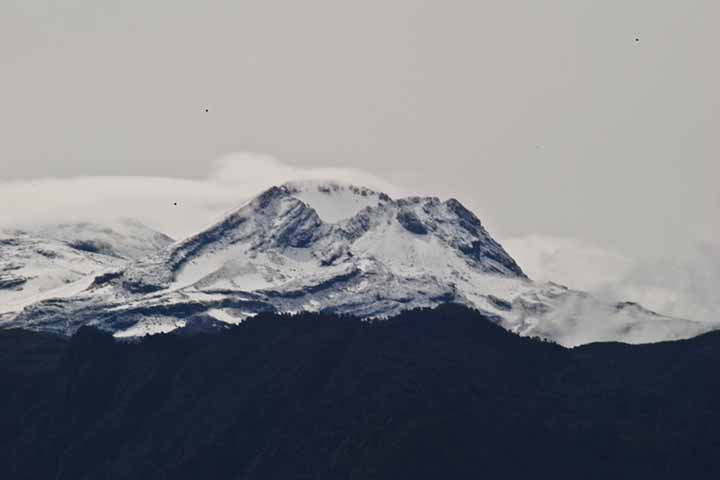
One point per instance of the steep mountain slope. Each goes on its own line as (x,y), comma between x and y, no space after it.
(41,262)
(342,249)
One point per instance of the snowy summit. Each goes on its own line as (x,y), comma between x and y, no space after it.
(327,246)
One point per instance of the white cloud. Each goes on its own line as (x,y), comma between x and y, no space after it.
(569,261)
(174,206)
(683,283)
(257,172)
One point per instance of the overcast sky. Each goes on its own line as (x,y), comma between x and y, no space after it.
(593,123)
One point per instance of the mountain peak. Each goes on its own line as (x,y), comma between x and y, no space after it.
(334,201)
(342,248)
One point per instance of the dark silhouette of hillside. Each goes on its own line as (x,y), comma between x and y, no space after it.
(430,394)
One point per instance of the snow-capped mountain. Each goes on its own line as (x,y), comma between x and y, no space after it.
(344,249)
(123,238)
(61,260)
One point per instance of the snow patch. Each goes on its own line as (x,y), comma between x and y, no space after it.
(230,316)
(335,202)
(151,326)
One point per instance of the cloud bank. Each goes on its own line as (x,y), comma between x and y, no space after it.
(682,283)
(175,206)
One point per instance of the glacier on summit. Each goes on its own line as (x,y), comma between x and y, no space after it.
(326,246)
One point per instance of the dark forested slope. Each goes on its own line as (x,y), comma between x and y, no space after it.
(438,393)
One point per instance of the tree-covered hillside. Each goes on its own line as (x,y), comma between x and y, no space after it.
(430,394)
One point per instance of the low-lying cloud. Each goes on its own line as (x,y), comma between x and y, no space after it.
(175,206)
(683,283)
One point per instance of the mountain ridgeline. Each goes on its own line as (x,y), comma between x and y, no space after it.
(431,393)
(314,247)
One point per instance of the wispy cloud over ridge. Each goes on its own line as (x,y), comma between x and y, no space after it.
(174,206)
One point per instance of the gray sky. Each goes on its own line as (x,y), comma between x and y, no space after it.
(547,118)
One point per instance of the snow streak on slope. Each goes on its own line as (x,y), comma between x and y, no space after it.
(125,238)
(344,249)
(43,262)
(33,269)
